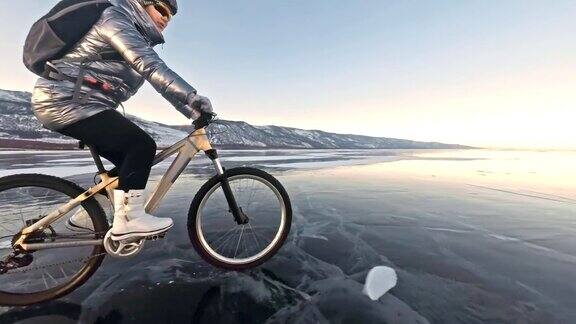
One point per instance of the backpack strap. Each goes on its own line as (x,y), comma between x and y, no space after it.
(53,73)
(104,56)
(81,79)
(78,85)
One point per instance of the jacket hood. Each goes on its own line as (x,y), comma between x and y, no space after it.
(135,11)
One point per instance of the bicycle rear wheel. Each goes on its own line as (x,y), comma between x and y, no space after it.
(32,277)
(224,243)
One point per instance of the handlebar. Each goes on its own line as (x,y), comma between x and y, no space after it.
(204,120)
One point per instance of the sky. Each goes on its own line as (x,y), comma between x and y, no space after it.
(498,74)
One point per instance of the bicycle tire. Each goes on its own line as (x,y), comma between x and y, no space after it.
(215,181)
(99,222)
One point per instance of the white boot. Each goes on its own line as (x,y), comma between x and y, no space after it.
(81,222)
(130,219)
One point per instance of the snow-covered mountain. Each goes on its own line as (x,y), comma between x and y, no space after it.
(17,122)
(20,128)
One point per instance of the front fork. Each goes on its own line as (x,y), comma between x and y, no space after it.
(239,216)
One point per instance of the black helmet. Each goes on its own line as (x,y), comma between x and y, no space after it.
(173,4)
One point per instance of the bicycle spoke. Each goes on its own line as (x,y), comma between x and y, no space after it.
(22,218)
(44,199)
(51,277)
(239,239)
(45,282)
(63,272)
(254,235)
(228,238)
(242,248)
(251,196)
(238,188)
(229,242)
(4,228)
(27,282)
(225,234)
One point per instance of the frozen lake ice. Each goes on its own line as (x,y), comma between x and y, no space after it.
(474,236)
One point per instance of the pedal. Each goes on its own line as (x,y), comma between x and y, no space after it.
(156,237)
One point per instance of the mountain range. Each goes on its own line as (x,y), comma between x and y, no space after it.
(19,128)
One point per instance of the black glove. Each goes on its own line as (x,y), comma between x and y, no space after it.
(199,105)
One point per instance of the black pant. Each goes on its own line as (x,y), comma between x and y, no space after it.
(121,142)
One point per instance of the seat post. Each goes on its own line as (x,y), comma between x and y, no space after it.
(97,159)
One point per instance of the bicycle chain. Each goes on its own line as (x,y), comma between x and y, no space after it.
(59,263)
(55,264)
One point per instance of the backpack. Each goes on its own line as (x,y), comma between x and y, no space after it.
(53,35)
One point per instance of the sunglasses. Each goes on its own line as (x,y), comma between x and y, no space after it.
(163,9)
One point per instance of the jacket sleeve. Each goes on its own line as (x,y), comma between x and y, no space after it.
(123,35)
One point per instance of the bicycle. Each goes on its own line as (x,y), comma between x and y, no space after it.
(228,228)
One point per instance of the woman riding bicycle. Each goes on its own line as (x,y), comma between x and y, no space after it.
(82,94)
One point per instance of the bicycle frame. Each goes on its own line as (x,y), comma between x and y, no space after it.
(186,149)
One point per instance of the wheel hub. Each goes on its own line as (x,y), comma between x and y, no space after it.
(242,217)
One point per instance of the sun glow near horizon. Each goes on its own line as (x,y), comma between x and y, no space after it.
(529,108)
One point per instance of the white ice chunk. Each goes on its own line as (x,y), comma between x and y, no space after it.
(378,281)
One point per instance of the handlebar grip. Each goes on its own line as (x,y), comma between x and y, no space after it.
(203,120)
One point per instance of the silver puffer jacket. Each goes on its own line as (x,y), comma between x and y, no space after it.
(126,29)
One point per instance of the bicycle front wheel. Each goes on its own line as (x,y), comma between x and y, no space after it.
(224,243)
